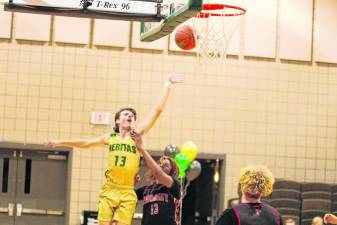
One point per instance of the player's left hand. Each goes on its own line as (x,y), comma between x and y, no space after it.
(137,138)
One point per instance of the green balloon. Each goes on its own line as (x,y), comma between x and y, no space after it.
(182,174)
(183,163)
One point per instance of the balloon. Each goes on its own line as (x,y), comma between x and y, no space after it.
(194,171)
(190,149)
(171,150)
(183,163)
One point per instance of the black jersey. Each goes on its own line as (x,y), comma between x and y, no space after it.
(160,204)
(250,214)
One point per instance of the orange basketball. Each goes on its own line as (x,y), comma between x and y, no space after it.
(184,37)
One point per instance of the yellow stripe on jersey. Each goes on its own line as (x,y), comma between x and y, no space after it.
(124,161)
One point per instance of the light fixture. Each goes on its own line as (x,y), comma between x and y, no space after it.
(216,173)
(216,177)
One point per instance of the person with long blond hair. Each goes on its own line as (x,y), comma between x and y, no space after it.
(255,182)
(317,221)
(289,221)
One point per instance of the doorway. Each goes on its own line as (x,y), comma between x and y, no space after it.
(203,201)
(33,186)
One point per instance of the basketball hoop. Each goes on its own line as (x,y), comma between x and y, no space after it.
(214,27)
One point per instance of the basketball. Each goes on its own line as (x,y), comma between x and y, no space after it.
(184,37)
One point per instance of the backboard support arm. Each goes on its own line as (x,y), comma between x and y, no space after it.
(151,32)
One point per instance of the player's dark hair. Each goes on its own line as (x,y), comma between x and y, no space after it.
(150,177)
(174,167)
(118,114)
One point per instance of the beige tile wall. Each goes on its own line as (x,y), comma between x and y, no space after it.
(254,111)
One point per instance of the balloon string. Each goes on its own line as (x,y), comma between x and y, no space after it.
(186,186)
(183,192)
(181,199)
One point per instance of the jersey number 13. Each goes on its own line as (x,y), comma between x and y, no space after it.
(120,160)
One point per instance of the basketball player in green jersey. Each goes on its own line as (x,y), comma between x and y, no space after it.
(117,198)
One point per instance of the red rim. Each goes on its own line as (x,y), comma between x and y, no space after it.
(209,7)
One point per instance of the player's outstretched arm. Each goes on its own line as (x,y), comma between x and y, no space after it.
(100,141)
(161,176)
(151,119)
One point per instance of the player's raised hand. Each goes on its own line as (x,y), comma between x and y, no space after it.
(176,78)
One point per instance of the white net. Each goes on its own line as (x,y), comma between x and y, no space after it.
(214,28)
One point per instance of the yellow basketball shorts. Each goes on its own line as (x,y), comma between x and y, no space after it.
(116,204)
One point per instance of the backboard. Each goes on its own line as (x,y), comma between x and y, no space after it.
(150,31)
(147,10)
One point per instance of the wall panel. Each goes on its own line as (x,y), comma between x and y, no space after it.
(71,30)
(326,31)
(111,33)
(5,23)
(32,27)
(260,28)
(296,34)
